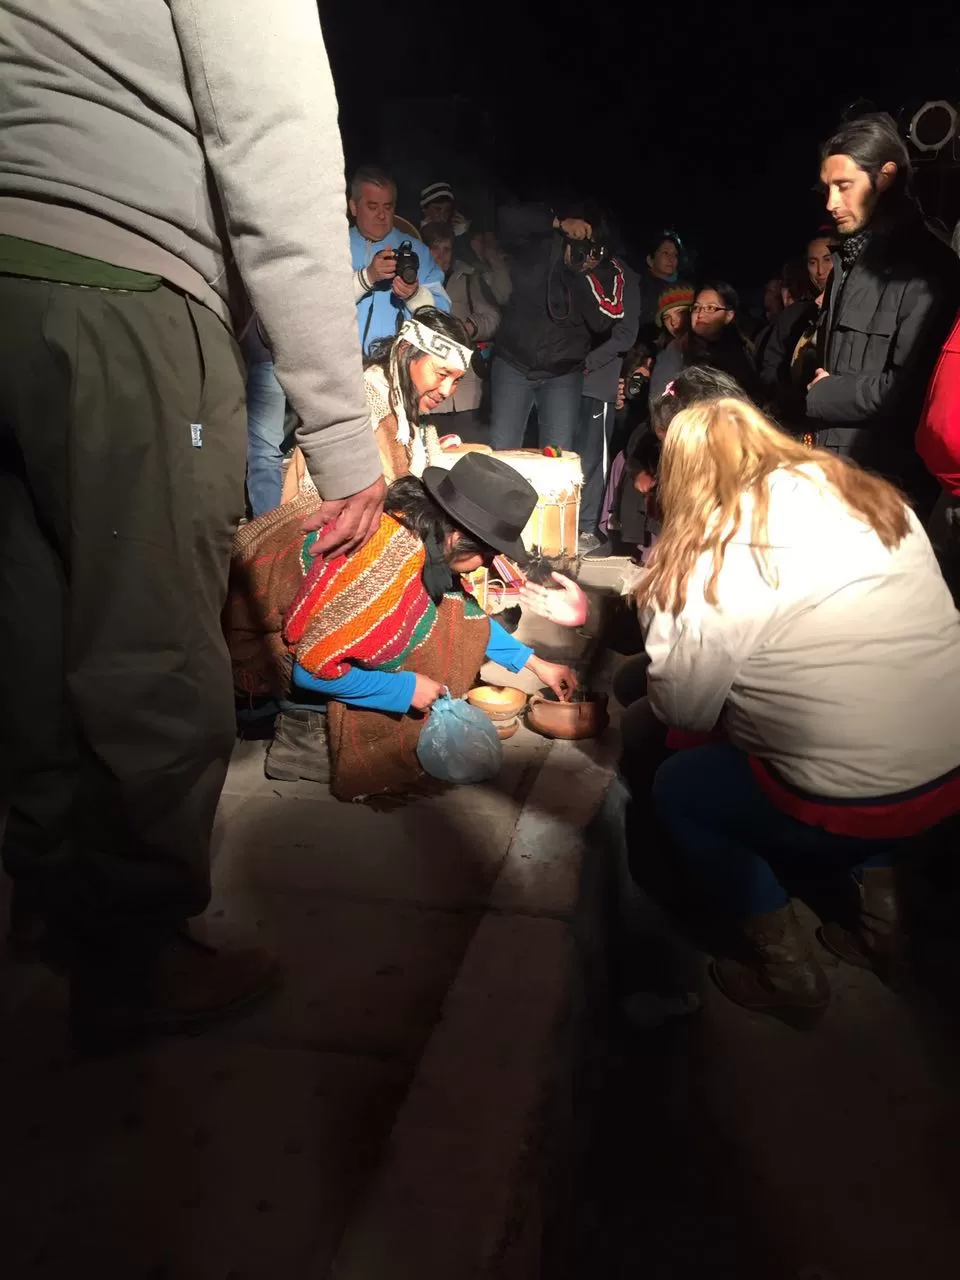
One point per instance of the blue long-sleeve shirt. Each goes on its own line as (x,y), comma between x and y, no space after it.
(381,306)
(393,690)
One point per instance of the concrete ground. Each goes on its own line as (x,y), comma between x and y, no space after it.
(446,1088)
(378,1118)
(728,1144)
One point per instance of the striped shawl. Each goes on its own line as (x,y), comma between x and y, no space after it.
(369,609)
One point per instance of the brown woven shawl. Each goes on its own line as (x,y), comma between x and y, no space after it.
(265,576)
(375,752)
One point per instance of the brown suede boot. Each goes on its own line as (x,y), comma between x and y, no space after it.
(185,985)
(784,975)
(878,940)
(300,748)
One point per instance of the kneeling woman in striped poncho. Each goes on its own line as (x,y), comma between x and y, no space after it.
(377,635)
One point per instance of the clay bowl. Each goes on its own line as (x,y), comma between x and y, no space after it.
(501,705)
(585,718)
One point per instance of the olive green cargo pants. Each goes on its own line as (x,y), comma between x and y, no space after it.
(122,453)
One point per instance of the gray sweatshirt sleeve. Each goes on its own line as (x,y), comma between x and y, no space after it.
(267,112)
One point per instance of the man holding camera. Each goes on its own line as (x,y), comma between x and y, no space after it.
(394,273)
(566,294)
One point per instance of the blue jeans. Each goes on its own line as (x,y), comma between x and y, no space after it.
(513,395)
(734,841)
(266,409)
(592,442)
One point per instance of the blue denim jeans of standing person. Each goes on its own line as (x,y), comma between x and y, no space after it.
(592,442)
(513,395)
(735,842)
(266,439)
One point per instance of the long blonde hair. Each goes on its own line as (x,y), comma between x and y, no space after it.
(717,451)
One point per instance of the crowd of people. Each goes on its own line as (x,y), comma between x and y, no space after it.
(572,344)
(248,434)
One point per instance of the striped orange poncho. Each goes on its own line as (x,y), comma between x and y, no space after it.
(369,609)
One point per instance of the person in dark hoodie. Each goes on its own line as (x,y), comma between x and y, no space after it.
(714,341)
(888,309)
(566,295)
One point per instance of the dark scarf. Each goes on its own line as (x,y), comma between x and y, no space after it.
(851,247)
(892,216)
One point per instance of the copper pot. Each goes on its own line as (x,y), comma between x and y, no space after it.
(585,718)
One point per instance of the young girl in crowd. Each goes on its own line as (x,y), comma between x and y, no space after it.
(794,600)
(643,451)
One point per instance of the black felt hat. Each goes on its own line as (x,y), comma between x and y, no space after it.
(487,497)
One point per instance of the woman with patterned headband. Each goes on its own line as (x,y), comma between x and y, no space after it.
(405,378)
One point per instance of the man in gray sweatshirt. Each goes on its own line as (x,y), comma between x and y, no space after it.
(163,165)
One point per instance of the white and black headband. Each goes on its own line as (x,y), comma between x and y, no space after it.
(453,354)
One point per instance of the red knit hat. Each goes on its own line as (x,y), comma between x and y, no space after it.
(677,295)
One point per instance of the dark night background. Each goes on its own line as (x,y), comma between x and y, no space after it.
(706,118)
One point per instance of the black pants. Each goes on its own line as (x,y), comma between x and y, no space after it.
(122,449)
(592,442)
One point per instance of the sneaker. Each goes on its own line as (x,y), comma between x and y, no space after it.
(586,543)
(185,986)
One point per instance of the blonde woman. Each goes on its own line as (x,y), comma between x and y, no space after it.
(794,600)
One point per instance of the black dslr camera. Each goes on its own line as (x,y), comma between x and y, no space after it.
(584,251)
(638,384)
(408,263)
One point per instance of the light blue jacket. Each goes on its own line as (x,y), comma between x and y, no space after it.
(380,312)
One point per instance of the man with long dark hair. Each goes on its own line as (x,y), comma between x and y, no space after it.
(888,308)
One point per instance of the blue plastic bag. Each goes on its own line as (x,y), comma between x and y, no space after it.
(459,743)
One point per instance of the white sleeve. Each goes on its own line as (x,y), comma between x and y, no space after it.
(429,295)
(422,298)
(687,682)
(695,657)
